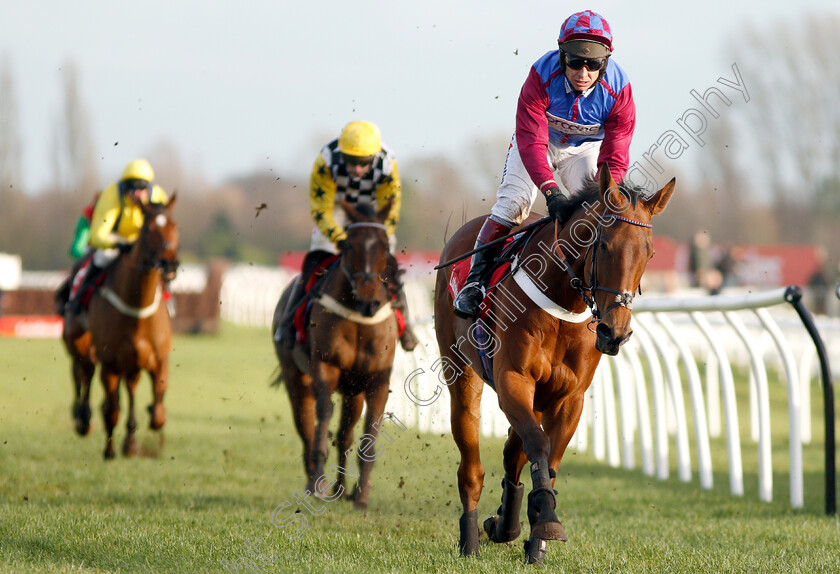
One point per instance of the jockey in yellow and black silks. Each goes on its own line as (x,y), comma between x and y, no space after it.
(355,167)
(117,219)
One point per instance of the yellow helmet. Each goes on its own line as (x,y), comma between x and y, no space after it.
(360,139)
(138,169)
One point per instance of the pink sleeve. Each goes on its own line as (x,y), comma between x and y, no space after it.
(618,129)
(532,129)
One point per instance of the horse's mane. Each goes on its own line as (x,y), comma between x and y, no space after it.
(591,192)
(366,209)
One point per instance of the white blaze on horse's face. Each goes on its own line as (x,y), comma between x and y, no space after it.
(161,220)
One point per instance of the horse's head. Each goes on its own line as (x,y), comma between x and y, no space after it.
(158,242)
(365,254)
(622,247)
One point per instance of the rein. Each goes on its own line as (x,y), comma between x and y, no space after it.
(587,292)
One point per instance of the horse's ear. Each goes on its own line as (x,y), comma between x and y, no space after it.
(352,212)
(385,211)
(171,203)
(657,202)
(609,188)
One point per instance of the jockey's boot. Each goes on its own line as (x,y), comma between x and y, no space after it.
(286,330)
(469,299)
(62,294)
(74,305)
(408,340)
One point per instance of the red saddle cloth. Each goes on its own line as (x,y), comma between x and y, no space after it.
(458,279)
(301,316)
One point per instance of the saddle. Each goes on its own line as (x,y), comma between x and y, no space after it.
(498,271)
(312,290)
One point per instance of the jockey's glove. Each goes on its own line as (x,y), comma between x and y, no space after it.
(558,205)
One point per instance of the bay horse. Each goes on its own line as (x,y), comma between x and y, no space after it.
(127,329)
(542,363)
(352,337)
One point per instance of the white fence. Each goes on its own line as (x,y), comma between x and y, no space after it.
(639,395)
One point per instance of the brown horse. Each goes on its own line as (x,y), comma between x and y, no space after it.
(127,329)
(543,363)
(352,335)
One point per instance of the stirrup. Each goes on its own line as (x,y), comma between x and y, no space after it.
(468,301)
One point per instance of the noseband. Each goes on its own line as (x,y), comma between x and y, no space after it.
(587,292)
(361,276)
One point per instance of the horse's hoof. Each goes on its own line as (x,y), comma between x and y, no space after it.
(549,531)
(359,505)
(490,527)
(535,550)
(130,447)
(109,454)
(81,414)
(158,417)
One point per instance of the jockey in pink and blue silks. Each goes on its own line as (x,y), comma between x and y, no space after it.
(575,112)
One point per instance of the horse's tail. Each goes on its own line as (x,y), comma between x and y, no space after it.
(276,377)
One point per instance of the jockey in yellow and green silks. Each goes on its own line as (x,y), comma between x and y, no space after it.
(117,219)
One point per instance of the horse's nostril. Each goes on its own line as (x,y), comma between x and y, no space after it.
(603,331)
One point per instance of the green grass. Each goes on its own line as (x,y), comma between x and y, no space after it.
(231,456)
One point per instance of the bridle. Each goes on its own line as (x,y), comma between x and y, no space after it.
(362,276)
(587,292)
(151,261)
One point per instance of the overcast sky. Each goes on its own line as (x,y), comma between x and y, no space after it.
(261,84)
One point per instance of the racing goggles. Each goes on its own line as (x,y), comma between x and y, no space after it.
(576,63)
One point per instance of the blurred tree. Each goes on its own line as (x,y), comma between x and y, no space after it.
(790,128)
(10,144)
(74,152)
(220,239)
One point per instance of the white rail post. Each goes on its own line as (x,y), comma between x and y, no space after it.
(599,439)
(733,435)
(672,377)
(657,385)
(642,412)
(622,384)
(698,404)
(610,427)
(794,406)
(765,473)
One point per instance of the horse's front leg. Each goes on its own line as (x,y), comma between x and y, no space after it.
(82,376)
(505,527)
(160,382)
(516,398)
(110,407)
(302,400)
(376,396)
(324,382)
(560,425)
(130,447)
(465,406)
(351,410)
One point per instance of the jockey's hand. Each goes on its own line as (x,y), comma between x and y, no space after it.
(340,244)
(559,206)
(124,247)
